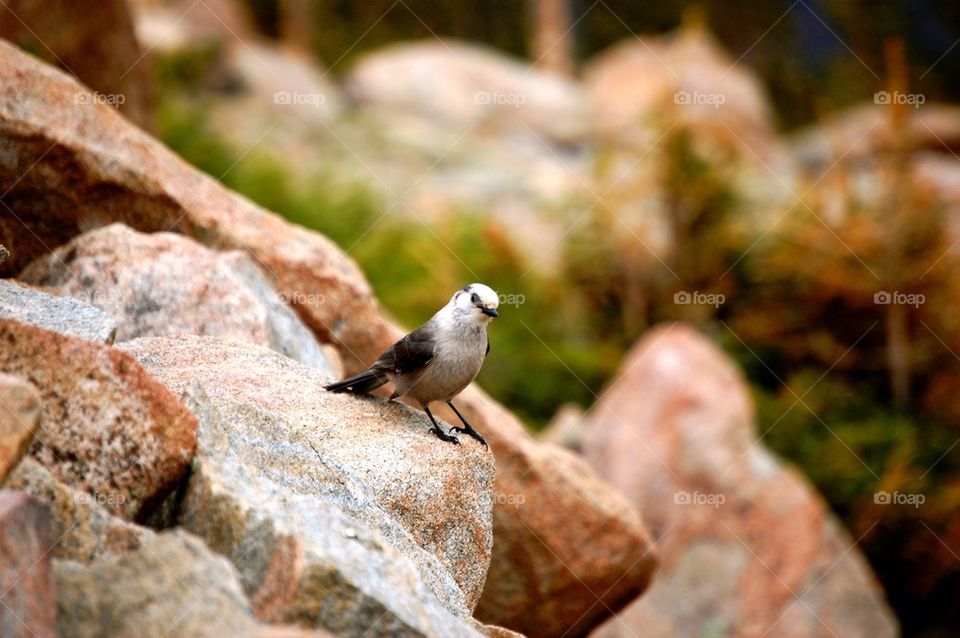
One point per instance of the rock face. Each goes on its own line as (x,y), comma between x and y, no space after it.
(79,181)
(27,598)
(83,528)
(59,314)
(19,416)
(347,500)
(106,427)
(172,586)
(747,547)
(99,47)
(164,284)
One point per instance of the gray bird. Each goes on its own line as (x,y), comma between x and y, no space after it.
(438,360)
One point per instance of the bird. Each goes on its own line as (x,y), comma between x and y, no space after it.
(438,360)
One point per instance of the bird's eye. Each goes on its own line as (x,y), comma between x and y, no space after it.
(475,298)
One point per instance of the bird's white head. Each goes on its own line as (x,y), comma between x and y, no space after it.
(476,300)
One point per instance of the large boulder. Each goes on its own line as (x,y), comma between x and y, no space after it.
(106,426)
(58,314)
(61,179)
(62,174)
(172,586)
(464,84)
(549,576)
(685,76)
(19,418)
(27,594)
(163,284)
(320,497)
(747,546)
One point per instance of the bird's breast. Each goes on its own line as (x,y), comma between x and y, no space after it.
(455,365)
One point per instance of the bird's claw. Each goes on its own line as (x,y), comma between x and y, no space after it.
(471,433)
(445,437)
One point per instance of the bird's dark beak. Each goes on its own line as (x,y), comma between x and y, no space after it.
(490,312)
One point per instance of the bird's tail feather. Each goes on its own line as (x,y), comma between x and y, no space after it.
(360,383)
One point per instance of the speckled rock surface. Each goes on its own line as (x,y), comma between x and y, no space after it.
(747,546)
(58,314)
(106,427)
(19,417)
(84,530)
(164,284)
(26,584)
(421,508)
(172,586)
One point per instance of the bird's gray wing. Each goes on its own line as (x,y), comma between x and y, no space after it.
(488,347)
(411,353)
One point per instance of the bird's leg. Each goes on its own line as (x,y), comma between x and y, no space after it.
(436,429)
(467,428)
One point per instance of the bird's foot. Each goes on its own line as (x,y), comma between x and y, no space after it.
(469,431)
(444,437)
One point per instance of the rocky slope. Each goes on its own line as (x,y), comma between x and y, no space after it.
(409,540)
